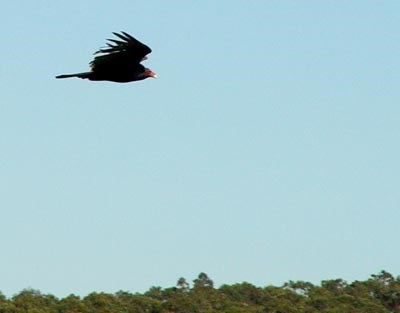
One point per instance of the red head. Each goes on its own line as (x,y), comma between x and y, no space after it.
(149,73)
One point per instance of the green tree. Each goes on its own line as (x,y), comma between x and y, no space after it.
(102,303)
(32,301)
(299,287)
(203,281)
(130,303)
(72,304)
(386,289)
(282,300)
(243,293)
(183,284)
(6,306)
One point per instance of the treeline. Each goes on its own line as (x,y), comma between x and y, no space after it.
(378,294)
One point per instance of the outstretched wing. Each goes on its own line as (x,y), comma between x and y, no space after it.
(127,49)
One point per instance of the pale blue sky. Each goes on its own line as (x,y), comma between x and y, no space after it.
(267,150)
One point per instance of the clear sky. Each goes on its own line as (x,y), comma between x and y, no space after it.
(267,150)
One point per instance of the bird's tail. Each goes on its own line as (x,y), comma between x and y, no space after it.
(80,75)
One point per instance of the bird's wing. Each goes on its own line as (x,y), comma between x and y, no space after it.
(128,49)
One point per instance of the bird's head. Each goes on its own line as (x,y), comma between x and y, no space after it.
(149,73)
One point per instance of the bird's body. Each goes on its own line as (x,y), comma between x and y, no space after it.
(119,62)
(118,74)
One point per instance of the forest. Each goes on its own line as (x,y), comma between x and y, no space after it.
(378,294)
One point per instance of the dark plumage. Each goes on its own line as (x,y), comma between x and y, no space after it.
(119,61)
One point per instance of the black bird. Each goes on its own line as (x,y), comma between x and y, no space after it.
(119,62)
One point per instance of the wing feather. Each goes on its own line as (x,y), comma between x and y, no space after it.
(127,49)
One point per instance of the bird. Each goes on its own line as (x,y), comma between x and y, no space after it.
(120,61)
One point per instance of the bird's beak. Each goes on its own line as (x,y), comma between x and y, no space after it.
(150,73)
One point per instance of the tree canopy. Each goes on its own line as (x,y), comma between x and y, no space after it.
(378,294)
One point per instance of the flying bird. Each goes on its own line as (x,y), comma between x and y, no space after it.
(118,62)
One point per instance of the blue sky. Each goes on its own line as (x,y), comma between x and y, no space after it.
(266,151)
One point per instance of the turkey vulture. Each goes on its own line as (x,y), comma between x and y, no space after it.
(119,61)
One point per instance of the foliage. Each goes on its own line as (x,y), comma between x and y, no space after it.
(378,294)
